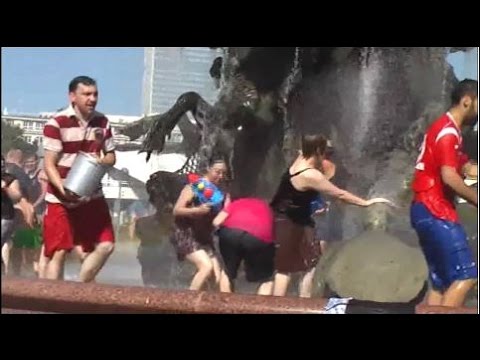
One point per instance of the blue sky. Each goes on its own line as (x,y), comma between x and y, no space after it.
(465,64)
(35,79)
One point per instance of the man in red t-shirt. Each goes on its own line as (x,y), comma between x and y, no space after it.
(438,178)
(246,234)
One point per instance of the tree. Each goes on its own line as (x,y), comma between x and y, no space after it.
(12,139)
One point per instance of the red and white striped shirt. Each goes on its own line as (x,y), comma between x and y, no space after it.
(67,135)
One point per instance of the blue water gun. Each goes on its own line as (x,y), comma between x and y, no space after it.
(206,192)
(317,204)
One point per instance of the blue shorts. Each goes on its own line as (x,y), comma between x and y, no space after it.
(445,246)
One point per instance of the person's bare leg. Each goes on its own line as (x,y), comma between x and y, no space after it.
(225,285)
(95,261)
(265,289)
(16,260)
(457,292)
(31,259)
(36,261)
(217,269)
(6,249)
(55,266)
(131,230)
(80,254)
(280,285)
(42,264)
(204,266)
(434,298)
(306,284)
(323,246)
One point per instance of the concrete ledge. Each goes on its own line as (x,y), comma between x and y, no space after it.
(71,297)
(44,296)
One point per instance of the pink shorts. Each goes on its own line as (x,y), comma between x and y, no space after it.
(86,225)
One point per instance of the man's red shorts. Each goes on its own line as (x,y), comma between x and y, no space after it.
(86,225)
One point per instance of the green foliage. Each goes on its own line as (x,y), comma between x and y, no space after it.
(12,139)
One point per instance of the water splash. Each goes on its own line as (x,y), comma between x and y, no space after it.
(369,82)
(293,78)
(380,88)
(446,69)
(224,71)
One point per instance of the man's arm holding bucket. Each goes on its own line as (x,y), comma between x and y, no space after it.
(108,160)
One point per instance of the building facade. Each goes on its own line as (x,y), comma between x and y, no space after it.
(32,126)
(172,71)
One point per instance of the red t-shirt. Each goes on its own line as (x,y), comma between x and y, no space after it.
(442,146)
(253,216)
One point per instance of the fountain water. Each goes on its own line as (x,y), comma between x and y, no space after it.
(367,100)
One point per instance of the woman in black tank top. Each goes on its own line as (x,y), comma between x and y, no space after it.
(293,203)
(297,249)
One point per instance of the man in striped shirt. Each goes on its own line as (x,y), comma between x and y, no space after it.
(83,224)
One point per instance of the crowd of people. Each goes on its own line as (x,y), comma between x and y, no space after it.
(24,186)
(276,239)
(43,221)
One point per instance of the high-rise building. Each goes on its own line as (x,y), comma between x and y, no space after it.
(172,71)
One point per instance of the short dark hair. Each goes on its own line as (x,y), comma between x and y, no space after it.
(216,159)
(312,144)
(467,87)
(29,155)
(85,80)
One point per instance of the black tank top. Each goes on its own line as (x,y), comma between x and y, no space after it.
(292,203)
(8,212)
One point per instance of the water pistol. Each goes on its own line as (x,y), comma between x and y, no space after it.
(317,204)
(206,192)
